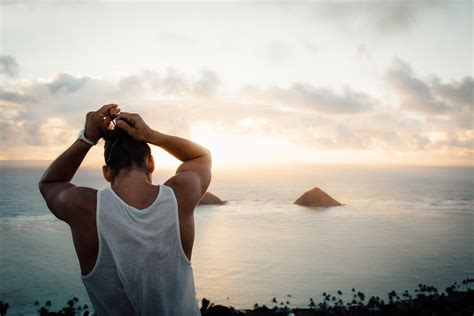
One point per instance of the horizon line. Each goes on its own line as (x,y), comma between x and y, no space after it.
(254,164)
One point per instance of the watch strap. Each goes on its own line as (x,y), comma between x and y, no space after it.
(83,138)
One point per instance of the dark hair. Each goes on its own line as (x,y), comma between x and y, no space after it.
(122,152)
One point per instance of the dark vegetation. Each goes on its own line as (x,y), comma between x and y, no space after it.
(457,299)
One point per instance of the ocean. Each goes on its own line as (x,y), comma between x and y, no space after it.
(398,227)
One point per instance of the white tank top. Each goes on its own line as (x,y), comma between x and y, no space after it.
(141,267)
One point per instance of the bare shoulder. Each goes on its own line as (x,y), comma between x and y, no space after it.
(78,203)
(187,189)
(191,181)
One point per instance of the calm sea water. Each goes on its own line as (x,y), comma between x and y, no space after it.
(398,227)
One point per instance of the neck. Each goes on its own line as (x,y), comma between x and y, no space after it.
(131,178)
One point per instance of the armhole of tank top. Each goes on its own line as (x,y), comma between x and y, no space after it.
(99,250)
(178,230)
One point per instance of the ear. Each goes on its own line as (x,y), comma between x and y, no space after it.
(151,164)
(107,173)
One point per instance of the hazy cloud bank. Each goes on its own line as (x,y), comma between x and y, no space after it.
(432,114)
(381,17)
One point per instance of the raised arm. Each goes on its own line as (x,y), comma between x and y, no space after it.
(193,175)
(55,185)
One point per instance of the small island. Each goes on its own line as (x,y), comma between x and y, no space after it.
(316,198)
(210,199)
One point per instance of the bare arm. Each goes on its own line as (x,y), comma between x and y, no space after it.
(55,185)
(181,148)
(196,159)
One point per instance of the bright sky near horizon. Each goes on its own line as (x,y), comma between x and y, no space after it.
(370,82)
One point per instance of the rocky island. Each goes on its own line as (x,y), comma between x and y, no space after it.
(210,199)
(316,198)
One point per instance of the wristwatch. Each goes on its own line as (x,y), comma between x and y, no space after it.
(83,138)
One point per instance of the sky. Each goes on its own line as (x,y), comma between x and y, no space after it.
(350,82)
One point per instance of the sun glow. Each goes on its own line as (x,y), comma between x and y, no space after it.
(228,147)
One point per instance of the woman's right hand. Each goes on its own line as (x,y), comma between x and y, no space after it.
(134,125)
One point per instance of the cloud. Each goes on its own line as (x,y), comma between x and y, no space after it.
(460,93)
(393,16)
(382,17)
(452,101)
(45,113)
(67,83)
(28,105)
(323,100)
(12,96)
(207,84)
(376,130)
(172,83)
(447,107)
(416,95)
(9,66)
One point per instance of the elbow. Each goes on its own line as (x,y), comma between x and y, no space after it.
(209,157)
(41,184)
(207,153)
(41,187)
